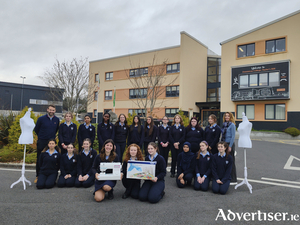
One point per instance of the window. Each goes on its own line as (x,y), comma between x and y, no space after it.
(246,50)
(172,91)
(213,70)
(95,113)
(213,94)
(138,72)
(97,77)
(137,111)
(171,112)
(109,76)
(108,95)
(276,45)
(173,68)
(95,95)
(261,79)
(138,93)
(247,109)
(275,112)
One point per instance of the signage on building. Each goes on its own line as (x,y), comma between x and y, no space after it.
(260,81)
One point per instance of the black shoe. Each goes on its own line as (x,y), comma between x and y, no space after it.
(110,195)
(163,194)
(125,195)
(172,175)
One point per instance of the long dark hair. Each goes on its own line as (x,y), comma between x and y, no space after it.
(112,154)
(106,113)
(150,125)
(197,127)
(47,147)
(118,121)
(139,124)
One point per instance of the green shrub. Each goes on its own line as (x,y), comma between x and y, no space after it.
(292,131)
(6,155)
(6,122)
(30,158)
(185,119)
(130,118)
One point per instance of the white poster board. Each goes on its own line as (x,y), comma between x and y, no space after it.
(142,170)
(110,171)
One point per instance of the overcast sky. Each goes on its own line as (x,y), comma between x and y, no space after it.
(33,33)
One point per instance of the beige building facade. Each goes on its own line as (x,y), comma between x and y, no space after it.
(183,69)
(260,74)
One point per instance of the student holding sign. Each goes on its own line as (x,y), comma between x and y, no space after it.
(153,190)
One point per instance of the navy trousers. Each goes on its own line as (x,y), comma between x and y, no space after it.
(203,186)
(62,182)
(187,178)
(132,186)
(120,148)
(86,184)
(152,191)
(164,152)
(46,181)
(220,188)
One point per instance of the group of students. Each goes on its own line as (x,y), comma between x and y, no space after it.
(82,169)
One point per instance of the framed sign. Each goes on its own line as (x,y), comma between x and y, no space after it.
(143,170)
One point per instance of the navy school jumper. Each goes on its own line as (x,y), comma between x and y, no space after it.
(203,168)
(84,133)
(121,133)
(212,136)
(188,172)
(66,134)
(154,191)
(135,137)
(149,138)
(176,135)
(221,169)
(194,137)
(67,166)
(132,185)
(49,166)
(84,166)
(163,137)
(105,132)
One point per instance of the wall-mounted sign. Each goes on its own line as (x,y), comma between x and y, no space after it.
(260,81)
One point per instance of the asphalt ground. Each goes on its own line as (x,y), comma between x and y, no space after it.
(275,190)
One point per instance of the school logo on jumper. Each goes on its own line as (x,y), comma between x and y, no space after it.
(124,128)
(226,162)
(180,129)
(55,156)
(90,129)
(213,130)
(73,160)
(208,158)
(91,156)
(110,127)
(71,128)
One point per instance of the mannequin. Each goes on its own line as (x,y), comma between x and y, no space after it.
(244,130)
(27,126)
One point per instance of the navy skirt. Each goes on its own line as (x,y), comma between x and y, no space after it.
(100,183)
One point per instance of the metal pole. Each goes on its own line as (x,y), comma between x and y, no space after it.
(22,92)
(11,101)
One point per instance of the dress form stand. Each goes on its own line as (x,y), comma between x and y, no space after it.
(245,142)
(22,178)
(26,137)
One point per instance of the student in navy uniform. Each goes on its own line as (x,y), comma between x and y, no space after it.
(153,190)
(49,166)
(46,128)
(194,134)
(86,158)
(132,185)
(107,154)
(150,131)
(221,169)
(212,134)
(203,168)
(163,139)
(67,133)
(185,166)
(228,135)
(68,168)
(121,133)
(136,132)
(86,130)
(176,137)
(106,130)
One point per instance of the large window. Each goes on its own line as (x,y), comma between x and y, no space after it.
(173,68)
(213,94)
(171,112)
(97,77)
(246,50)
(247,109)
(276,45)
(109,76)
(95,95)
(138,72)
(137,111)
(108,95)
(275,112)
(259,79)
(213,70)
(94,113)
(138,93)
(172,91)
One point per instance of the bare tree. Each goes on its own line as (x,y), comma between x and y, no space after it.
(147,83)
(71,76)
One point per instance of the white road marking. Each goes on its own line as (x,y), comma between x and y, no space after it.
(271,183)
(283,181)
(18,170)
(288,165)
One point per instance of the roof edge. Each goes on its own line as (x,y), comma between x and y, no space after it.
(190,36)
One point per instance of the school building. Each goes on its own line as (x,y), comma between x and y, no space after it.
(260,74)
(189,80)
